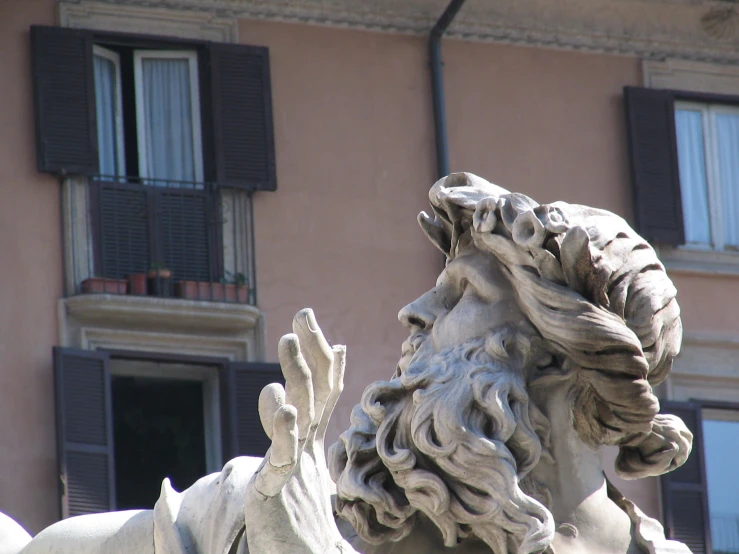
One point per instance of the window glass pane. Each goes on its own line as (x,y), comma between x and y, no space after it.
(105,105)
(727,138)
(692,164)
(168,119)
(721,443)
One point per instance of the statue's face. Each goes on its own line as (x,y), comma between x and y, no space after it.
(450,435)
(471,297)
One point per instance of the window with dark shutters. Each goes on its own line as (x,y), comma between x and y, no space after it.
(84,431)
(235,97)
(241,383)
(66,136)
(684,491)
(654,168)
(143,221)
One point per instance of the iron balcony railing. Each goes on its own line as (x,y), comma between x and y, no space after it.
(165,238)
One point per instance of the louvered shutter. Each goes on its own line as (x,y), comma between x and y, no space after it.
(123,221)
(185,228)
(84,431)
(64,97)
(242,116)
(684,491)
(650,119)
(241,383)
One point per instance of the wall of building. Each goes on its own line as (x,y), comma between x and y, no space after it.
(354,141)
(30,249)
(355,160)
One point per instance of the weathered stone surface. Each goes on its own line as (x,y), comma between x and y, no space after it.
(540,344)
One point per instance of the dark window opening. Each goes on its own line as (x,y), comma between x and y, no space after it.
(159,431)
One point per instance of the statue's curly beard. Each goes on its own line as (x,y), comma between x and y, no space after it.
(451,438)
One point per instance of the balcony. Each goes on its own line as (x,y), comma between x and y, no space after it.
(166,239)
(120,235)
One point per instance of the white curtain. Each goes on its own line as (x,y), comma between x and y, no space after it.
(105,88)
(692,165)
(727,133)
(168,119)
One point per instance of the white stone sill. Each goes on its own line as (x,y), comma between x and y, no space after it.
(153,312)
(693,261)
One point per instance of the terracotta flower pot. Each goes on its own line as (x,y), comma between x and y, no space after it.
(103,285)
(217,292)
(137,284)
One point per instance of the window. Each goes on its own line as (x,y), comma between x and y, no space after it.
(708,161)
(684,152)
(165,90)
(160,128)
(107,415)
(721,448)
(699,500)
(109,112)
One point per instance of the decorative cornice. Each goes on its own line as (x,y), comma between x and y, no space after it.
(651,29)
(130,17)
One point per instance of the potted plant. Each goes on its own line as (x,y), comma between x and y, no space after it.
(197,290)
(159,280)
(236,288)
(137,283)
(232,288)
(104,285)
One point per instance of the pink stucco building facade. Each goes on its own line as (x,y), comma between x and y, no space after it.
(534,103)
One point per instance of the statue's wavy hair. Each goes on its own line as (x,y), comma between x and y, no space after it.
(599,296)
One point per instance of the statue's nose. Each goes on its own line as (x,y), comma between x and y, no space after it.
(417,315)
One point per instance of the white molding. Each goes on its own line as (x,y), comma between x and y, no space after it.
(691,76)
(164,325)
(652,29)
(166,313)
(122,17)
(694,261)
(706,369)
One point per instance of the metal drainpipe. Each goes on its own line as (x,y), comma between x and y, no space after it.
(437,85)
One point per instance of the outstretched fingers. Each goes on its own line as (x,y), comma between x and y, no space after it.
(283,454)
(337,387)
(298,382)
(271,399)
(319,355)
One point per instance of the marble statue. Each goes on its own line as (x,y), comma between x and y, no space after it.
(540,344)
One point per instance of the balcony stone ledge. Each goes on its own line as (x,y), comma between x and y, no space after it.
(149,323)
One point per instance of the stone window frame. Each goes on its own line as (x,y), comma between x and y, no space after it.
(706,78)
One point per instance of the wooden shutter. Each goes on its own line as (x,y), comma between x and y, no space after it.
(684,491)
(241,383)
(64,97)
(650,119)
(123,220)
(242,116)
(185,228)
(84,431)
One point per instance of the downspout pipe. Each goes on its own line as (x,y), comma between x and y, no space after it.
(437,85)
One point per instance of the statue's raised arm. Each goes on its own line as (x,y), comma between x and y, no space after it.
(288,502)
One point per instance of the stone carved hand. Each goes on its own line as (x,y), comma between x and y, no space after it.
(288,502)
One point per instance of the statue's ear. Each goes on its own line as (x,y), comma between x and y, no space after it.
(434,230)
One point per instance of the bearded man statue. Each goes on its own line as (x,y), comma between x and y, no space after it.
(539,345)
